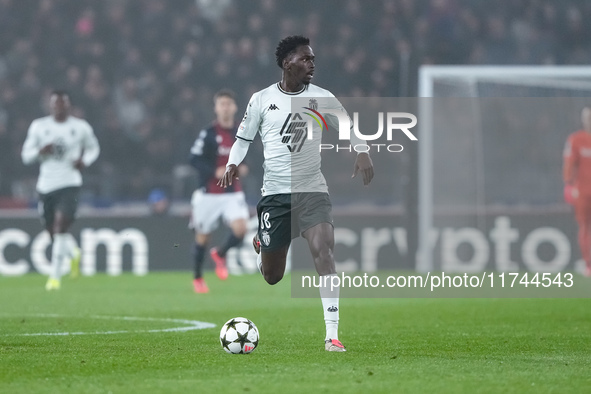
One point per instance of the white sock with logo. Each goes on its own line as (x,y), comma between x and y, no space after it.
(330,304)
(58,253)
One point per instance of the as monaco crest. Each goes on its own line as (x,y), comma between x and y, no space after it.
(266,238)
(313,104)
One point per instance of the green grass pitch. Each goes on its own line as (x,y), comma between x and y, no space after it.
(394,345)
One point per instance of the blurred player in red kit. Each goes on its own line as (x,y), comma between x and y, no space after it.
(577,182)
(211,202)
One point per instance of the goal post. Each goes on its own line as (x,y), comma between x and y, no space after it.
(474,88)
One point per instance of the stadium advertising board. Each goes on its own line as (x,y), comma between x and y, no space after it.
(525,242)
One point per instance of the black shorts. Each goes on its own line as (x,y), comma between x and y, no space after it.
(283,217)
(63,200)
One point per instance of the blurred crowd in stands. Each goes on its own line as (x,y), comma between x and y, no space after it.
(143,72)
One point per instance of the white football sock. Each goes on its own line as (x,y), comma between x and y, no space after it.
(330,304)
(260,262)
(71,245)
(58,254)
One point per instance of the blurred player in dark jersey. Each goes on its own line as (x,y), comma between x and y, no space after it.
(210,202)
(577,182)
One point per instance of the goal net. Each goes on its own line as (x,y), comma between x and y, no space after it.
(491,140)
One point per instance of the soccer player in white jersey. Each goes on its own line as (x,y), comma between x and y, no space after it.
(63,145)
(295,200)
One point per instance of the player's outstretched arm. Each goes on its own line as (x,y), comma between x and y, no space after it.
(237,154)
(32,151)
(364,165)
(90,149)
(229,176)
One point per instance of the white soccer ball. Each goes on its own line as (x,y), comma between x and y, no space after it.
(239,336)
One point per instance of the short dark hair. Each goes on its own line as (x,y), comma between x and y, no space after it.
(224,93)
(287,46)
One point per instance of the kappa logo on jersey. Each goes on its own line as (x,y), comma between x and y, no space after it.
(272,107)
(333,309)
(293,132)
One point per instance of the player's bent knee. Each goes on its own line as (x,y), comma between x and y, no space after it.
(240,232)
(273,277)
(61,223)
(239,228)
(274,265)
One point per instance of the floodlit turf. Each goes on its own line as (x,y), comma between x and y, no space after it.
(394,345)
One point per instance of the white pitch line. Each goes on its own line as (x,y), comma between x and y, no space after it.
(190,325)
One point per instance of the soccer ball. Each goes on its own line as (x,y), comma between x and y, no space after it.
(239,336)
